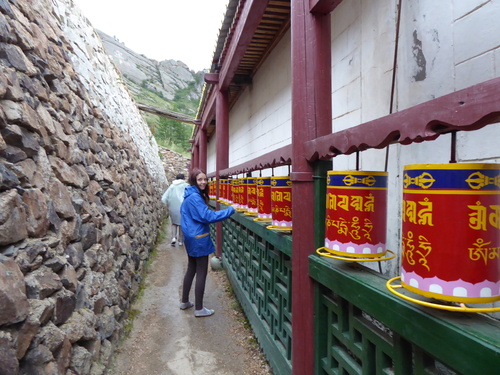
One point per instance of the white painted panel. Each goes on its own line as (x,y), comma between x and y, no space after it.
(462,8)
(425,55)
(481,145)
(260,121)
(478,32)
(475,70)
(211,156)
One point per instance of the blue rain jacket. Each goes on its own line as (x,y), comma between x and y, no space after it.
(195,222)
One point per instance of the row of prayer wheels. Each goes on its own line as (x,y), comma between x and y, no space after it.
(267,198)
(450,234)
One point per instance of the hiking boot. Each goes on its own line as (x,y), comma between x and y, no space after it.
(174,240)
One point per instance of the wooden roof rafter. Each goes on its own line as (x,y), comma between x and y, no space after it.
(245,55)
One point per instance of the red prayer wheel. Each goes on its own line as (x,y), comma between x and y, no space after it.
(281,202)
(252,208)
(243,186)
(264,212)
(451,231)
(211,189)
(229,191)
(223,190)
(356,213)
(235,184)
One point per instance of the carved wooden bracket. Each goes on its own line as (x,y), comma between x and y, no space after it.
(468,109)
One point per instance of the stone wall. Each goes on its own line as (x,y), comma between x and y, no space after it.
(80,187)
(174,163)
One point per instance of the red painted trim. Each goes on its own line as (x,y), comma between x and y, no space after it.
(222,130)
(311,117)
(320,56)
(209,110)
(203,149)
(278,157)
(242,36)
(195,162)
(222,147)
(301,176)
(211,78)
(468,109)
(323,6)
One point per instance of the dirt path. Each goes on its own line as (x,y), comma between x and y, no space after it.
(165,340)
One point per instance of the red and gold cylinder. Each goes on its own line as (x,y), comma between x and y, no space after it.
(235,186)
(222,190)
(242,195)
(281,202)
(451,231)
(211,189)
(229,191)
(252,208)
(264,210)
(356,213)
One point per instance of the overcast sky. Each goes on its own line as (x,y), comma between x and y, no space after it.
(184,30)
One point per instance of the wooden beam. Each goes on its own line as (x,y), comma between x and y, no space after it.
(468,109)
(211,78)
(311,117)
(275,158)
(209,110)
(250,18)
(323,6)
(166,113)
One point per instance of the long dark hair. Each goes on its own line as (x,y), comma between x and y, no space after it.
(192,181)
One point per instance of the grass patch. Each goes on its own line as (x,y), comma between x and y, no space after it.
(132,313)
(129,322)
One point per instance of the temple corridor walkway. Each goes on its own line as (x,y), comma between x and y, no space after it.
(165,340)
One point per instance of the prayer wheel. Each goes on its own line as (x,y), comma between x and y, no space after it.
(229,191)
(211,189)
(281,203)
(356,213)
(235,184)
(223,190)
(242,194)
(252,208)
(451,231)
(264,212)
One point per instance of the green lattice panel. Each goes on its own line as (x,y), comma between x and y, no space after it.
(361,328)
(262,274)
(354,341)
(358,344)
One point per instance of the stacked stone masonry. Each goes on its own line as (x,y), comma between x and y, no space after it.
(174,163)
(80,207)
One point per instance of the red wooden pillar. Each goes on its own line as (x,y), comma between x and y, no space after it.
(222,149)
(195,156)
(202,157)
(311,117)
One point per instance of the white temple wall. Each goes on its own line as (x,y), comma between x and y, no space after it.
(437,55)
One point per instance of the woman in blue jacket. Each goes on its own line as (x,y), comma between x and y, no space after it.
(195,223)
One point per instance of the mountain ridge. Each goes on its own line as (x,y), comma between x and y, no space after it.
(165,78)
(160,88)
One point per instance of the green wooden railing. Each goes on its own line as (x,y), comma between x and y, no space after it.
(360,327)
(258,265)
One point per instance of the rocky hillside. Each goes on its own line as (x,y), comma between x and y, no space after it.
(169,84)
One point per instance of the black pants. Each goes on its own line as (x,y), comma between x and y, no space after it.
(196,266)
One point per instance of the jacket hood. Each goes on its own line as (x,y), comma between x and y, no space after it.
(191,190)
(177,182)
